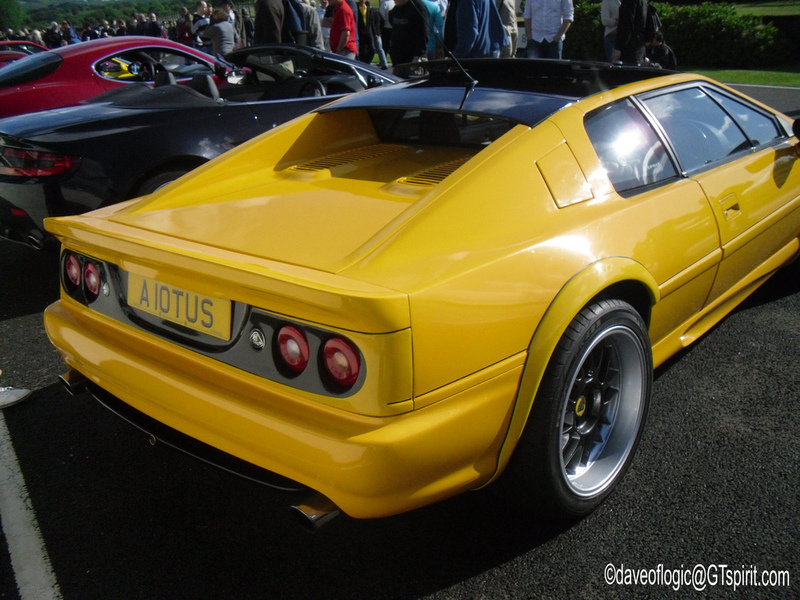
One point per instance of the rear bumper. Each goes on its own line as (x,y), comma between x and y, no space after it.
(25,206)
(368,466)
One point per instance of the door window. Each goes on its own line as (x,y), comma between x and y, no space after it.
(700,131)
(628,147)
(759,127)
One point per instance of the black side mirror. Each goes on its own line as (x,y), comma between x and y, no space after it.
(796,128)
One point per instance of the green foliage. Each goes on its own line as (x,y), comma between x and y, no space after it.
(41,13)
(10,15)
(707,34)
(584,39)
(714,35)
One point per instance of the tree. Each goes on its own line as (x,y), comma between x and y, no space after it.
(11,16)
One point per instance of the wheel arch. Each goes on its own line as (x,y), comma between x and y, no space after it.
(618,278)
(177,163)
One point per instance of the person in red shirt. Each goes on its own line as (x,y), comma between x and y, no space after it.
(343,27)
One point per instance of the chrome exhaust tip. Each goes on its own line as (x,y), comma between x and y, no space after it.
(35,240)
(314,512)
(73,382)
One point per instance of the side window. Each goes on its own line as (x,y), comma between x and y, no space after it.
(760,128)
(628,148)
(700,131)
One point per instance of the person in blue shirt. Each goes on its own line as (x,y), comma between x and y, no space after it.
(68,33)
(473,29)
(435,29)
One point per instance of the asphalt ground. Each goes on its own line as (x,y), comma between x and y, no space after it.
(712,491)
(784,99)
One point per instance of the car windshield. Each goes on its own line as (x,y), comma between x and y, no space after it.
(30,68)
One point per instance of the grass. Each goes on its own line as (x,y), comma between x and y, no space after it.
(771,8)
(783,76)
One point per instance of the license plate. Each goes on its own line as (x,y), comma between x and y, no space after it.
(176,305)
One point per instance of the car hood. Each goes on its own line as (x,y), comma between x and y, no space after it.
(324,213)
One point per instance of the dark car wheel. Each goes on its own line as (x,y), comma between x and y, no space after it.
(151,184)
(588,414)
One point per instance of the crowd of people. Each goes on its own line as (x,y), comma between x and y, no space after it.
(200,29)
(402,31)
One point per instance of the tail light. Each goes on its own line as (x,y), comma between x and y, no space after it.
(341,361)
(91,279)
(82,273)
(72,272)
(18,162)
(292,349)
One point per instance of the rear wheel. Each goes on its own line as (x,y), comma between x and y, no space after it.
(151,184)
(588,414)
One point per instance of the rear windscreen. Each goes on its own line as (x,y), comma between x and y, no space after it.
(440,128)
(29,69)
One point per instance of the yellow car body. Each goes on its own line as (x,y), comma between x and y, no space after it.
(453,270)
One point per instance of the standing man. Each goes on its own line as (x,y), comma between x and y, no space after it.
(269,22)
(609,17)
(153,28)
(435,29)
(409,21)
(546,24)
(200,22)
(343,30)
(473,29)
(508,15)
(52,37)
(629,45)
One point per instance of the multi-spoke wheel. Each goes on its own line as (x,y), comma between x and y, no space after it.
(589,412)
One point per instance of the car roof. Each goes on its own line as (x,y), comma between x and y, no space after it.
(111,44)
(522,90)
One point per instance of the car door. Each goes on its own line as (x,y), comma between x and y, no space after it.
(747,166)
(679,242)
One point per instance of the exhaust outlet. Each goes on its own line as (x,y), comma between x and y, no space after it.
(314,512)
(73,382)
(35,240)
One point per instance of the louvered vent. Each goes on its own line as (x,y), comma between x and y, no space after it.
(346,157)
(435,175)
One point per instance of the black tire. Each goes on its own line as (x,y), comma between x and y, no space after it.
(151,184)
(588,414)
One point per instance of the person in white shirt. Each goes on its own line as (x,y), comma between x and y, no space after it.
(546,24)
(609,17)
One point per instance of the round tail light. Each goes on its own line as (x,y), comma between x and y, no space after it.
(341,361)
(293,348)
(72,272)
(91,279)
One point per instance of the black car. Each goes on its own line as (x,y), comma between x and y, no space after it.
(130,141)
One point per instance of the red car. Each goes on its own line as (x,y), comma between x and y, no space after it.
(65,76)
(8,56)
(23,46)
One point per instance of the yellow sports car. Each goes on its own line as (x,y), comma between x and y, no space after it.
(413,291)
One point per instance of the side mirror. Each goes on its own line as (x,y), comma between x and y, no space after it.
(796,128)
(220,71)
(236,76)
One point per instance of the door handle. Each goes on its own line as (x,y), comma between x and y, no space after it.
(730,206)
